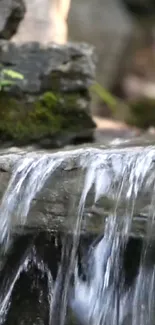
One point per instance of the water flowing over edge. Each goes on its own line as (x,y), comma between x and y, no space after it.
(98,299)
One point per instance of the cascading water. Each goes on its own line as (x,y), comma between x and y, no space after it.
(102,298)
(29,259)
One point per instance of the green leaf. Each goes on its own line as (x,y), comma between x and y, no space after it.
(12,74)
(104,95)
(5,82)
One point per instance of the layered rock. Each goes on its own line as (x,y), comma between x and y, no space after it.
(11,14)
(50,106)
(56,206)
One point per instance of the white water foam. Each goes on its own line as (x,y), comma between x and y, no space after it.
(101,301)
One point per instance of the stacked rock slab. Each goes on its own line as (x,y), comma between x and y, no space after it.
(51,104)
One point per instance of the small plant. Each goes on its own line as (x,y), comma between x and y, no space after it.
(118,108)
(105,96)
(7,77)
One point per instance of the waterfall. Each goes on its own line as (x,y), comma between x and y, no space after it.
(102,298)
(29,259)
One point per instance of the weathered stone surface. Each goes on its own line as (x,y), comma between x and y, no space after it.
(56,206)
(51,103)
(52,67)
(11,14)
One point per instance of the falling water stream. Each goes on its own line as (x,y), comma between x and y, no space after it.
(102,298)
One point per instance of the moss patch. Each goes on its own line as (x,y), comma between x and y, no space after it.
(142,113)
(30,119)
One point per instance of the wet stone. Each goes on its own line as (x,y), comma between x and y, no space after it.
(29,301)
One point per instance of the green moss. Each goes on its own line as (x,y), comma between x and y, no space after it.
(25,121)
(50,99)
(142,113)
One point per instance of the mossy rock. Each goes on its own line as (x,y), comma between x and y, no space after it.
(30,119)
(142,113)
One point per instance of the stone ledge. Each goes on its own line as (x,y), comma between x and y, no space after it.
(56,206)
